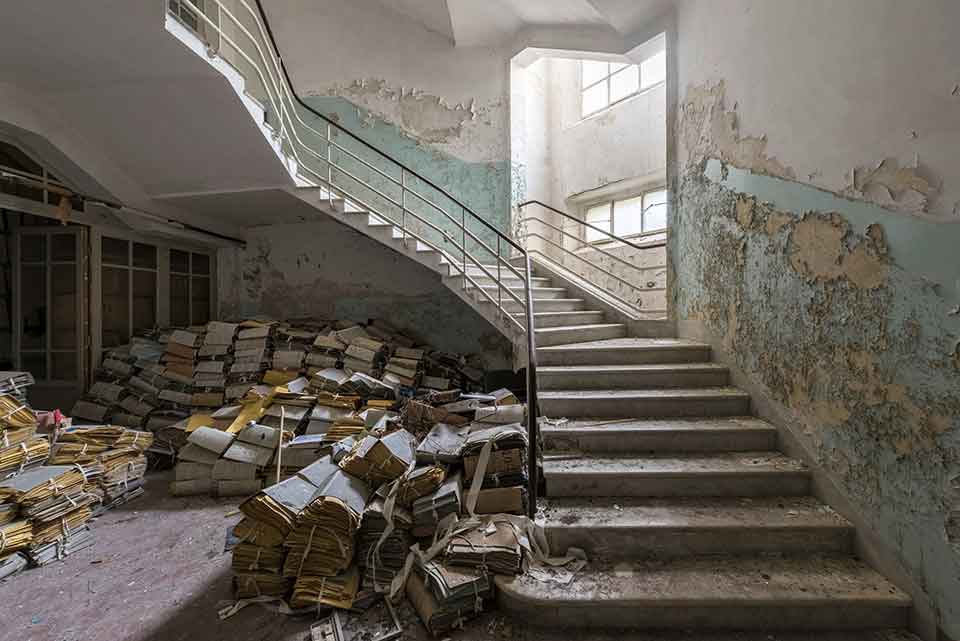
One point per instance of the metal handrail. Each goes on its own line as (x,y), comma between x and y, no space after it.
(584,223)
(283,101)
(525,234)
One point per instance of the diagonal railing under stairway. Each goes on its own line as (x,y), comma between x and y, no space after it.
(345,167)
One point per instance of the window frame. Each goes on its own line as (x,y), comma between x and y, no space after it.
(190,275)
(610,202)
(131,268)
(606,79)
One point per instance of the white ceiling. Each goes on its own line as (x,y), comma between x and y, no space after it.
(493,22)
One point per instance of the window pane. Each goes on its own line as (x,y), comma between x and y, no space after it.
(653,70)
(35,363)
(594,99)
(627,216)
(201,264)
(116,306)
(33,248)
(624,84)
(63,286)
(201,300)
(33,306)
(144,256)
(617,66)
(593,72)
(63,248)
(179,262)
(598,216)
(179,300)
(63,366)
(115,251)
(655,210)
(144,300)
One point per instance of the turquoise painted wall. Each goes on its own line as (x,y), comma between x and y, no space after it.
(848,316)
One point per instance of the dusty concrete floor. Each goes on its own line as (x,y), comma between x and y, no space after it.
(158,570)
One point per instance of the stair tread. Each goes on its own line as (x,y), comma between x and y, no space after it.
(627,369)
(671,464)
(579,312)
(715,581)
(570,328)
(695,424)
(691,512)
(629,343)
(680,393)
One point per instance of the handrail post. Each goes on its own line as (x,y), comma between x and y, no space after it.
(533,472)
(499,282)
(330,163)
(403,207)
(463,243)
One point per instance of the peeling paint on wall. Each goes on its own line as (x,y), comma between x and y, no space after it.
(894,187)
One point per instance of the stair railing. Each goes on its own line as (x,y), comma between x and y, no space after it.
(390,190)
(591,259)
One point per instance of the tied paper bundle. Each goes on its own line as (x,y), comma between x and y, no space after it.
(24,456)
(251,585)
(443,443)
(322,544)
(14,414)
(8,511)
(101,435)
(49,531)
(506,465)
(11,564)
(382,560)
(58,549)
(15,384)
(444,596)
(258,534)
(429,510)
(255,559)
(493,545)
(123,476)
(419,483)
(14,536)
(380,460)
(40,485)
(333,591)
(137,440)
(65,453)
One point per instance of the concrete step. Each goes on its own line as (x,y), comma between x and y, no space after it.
(624,351)
(575,333)
(656,375)
(736,434)
(626,527)
(720,593)
(539,293)
(510,281)
(562,319)
(644,403)
(549,305)
(764,473)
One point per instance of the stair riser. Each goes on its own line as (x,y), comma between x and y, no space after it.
(622,543)
(585,318)
(574,407)
(622,356)
(633,380)
(618,441)
(514,307)
(538,294)
(834,615)
(509,281)
(566,336)
(705,484)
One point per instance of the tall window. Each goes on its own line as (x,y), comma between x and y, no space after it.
(628,217)
(128,289)
(189,288)
(188,16)
(605,83)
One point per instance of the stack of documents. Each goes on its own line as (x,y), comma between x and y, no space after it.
(403,367)
(334,591)
(380,460)
(429,510)
(445,596)
(422,481)
(15,384)
(58,549)
(382,560)
(181,352)
(363,354)
(325,353)
(24,456)
(493,545)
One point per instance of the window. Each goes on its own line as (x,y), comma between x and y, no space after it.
(641,214)
(605,83)
(128,289)
(187,16)
(22,177)
(189,288)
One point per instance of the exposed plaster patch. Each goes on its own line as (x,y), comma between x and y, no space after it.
(425,117)
(818,252)
(894,187)
(708,130)
(777,221)
(745,211)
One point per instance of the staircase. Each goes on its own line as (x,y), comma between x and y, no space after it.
(689,515)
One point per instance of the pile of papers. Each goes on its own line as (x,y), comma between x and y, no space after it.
(382,558)
(445,595)
(20,448)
